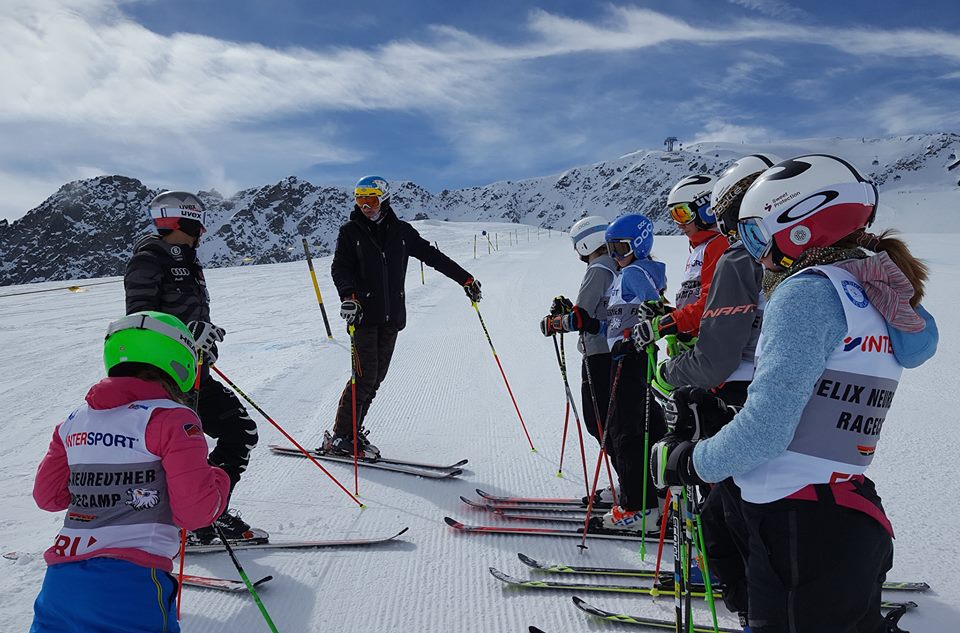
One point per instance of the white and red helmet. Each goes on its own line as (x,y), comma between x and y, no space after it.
(805,202)
(181,210)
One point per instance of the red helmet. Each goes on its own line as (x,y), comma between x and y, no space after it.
(802,203)
(179,210)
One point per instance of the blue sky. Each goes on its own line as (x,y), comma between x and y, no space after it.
(200,94)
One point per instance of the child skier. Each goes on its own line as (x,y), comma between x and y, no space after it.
(838,330)
(629,241)
(589,243)
(130,467)
(689,206)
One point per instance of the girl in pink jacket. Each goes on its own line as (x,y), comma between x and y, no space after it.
(130,467)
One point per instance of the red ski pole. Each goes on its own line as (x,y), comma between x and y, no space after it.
(509,390)
(305,452)
(563,441)
(562,361)
(353,398)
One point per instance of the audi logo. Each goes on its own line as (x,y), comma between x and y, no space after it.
(180,272)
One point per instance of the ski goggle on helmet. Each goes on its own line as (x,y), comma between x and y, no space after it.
(179,210)
(371,191)
(689,201)
(805,202)
(630,234)
(153,338)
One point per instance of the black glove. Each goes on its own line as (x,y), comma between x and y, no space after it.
(351,311)
(695,414)
(576,320)
(671,463)
(207,335)
(472,288)
(560,305)
(649,309)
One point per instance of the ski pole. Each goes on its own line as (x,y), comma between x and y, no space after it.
(561,360)
(688,555)
(704,564)
(651,367)
(677,563)
(353,398)
(663,534)
(305,452)
(316,288)
(509,390)
(183,553)
(603,444)
(563,440)
(246,580)
(600,427)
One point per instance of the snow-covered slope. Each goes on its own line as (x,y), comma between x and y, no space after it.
(87,228)
(443,400)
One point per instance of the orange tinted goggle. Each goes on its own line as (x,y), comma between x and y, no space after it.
(368,201)
(683,213)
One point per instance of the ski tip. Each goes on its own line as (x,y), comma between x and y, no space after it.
(578,601)
(263,580)
(453,473)
(453,523)
(469,502)
(400,533)
(526,560)
(534,629)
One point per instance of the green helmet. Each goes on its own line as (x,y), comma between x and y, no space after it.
(153,338)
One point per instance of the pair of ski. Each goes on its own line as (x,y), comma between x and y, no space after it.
(229,585)
(665,577)
(516,508)
(671,625)
(420,469)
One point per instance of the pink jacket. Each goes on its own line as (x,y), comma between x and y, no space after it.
(198,492)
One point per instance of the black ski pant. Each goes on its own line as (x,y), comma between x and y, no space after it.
(599,366)
(724,531)
(815,567)
(227,421)
(374,349)
(626,434)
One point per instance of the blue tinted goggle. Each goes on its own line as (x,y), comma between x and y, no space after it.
(755,237)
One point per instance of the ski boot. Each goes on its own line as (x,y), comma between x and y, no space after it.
(233,527)
(632,520)
(343,445)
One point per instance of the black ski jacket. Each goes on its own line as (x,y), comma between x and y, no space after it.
(370,264)
(167,278)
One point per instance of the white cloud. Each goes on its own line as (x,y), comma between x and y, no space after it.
(722,131)
(904,114)
(98,88)
(773,8)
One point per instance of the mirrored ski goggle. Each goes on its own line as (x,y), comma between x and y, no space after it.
(683,213)
(620,248)
(368,201)
(755,237)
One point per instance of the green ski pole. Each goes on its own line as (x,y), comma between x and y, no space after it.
(246,580)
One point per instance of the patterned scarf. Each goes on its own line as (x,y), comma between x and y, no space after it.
(885,285)
(814,257)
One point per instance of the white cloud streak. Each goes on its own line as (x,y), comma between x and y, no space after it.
(82,67)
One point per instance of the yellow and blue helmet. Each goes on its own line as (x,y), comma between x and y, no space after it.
(372,186)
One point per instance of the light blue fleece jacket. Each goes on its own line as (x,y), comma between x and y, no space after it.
(802,326)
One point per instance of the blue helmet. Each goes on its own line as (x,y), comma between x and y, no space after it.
(373,186)
(633,229)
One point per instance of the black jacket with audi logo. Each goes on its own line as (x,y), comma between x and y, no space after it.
(167,278)
(370,264)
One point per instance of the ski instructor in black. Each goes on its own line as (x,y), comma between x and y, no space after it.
(369,269)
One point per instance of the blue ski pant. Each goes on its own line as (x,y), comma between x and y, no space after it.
(105,595)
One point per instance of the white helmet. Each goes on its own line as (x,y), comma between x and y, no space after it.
(806,202)
(587,234)
(689,201)
(179,210)
(730,187)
